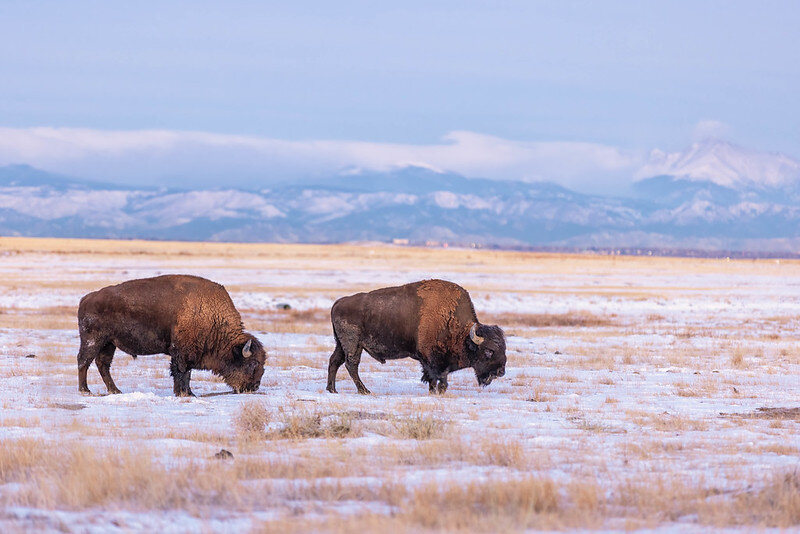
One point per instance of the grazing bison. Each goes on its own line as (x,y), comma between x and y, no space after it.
(432,321)
(191,319)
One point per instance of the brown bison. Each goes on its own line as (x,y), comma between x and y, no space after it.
(432,321)
(191,319)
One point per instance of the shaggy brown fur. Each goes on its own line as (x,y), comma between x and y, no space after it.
(191,319)
(429,321)
(442,305)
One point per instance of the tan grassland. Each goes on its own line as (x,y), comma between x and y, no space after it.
(640,393)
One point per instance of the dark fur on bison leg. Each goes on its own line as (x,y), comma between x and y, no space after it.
(441,388)
(83,387)
(103,362)
(428,379)
(351,363)
(336,361)
(180,380)
(86,355)
(181,388)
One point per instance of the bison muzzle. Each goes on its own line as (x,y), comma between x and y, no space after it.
(191,319)
(432,321)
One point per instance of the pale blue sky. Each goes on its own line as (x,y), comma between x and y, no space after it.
(630,75)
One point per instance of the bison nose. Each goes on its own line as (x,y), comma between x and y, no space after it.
(501,372)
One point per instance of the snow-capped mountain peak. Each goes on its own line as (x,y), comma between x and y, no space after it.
(724,164)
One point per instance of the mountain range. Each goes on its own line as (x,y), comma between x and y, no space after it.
(712,197)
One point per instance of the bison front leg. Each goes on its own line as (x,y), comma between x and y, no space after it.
(437,382)
(429,378)
(441,388)
(181,374)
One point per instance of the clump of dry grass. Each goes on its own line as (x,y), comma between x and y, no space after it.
(494,505)
(310,321)
(18,456)
(504,453)
(542,320)
(81,476)
(658,499)
(332,524)
(44,318)
(538,394)
(737,357)
(301,423)
(421,426)
(777,504)
(251,421)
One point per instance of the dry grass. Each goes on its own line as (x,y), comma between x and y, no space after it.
(491,506)
(44,318)
(541,394)
(251,420)
(421,426)
(776,502)
(292,466)
(575,319)
(308,321)
(303,423)
(677,423)
(17,457)
(81,476)
(737,357)
(504,452)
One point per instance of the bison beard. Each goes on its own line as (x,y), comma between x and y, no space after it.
(432,321)
(191,319)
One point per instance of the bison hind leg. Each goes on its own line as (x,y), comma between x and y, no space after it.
(86,355)
(351,364)
(336,361)
(103,362)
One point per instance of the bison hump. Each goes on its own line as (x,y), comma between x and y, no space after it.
(440,304)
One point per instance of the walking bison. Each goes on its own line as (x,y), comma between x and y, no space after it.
(191,319)
(432,321)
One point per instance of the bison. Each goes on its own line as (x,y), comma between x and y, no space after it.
(191,319)
(432,321)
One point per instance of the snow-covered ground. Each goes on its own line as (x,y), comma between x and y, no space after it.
(667,406)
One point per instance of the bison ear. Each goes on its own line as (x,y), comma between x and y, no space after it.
(246,350)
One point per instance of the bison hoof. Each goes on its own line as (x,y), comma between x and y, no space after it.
(114,391)
(364,391)
(331,389)
(85,392)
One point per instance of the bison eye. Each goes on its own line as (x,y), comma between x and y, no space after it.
(488,353)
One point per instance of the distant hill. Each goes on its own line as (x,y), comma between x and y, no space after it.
(693,209)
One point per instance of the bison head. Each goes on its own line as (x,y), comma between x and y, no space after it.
(244,372)
(487,349)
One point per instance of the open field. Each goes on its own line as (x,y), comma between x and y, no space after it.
(640,393)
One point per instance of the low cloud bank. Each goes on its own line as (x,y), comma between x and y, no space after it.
(147,157)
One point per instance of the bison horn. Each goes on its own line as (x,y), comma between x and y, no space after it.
(246,352)
(473,336)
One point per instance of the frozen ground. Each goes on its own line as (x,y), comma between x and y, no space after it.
(640,393)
